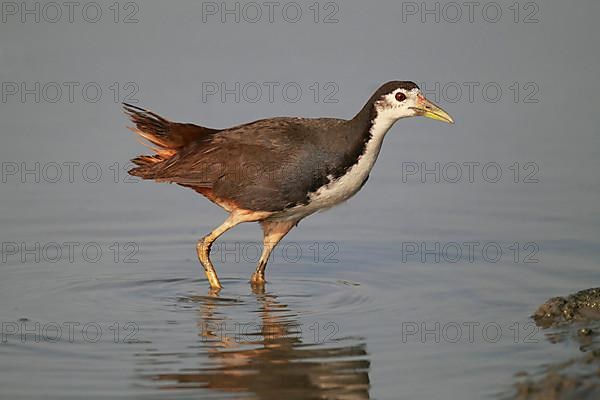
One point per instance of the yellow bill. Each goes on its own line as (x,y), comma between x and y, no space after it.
(427,109)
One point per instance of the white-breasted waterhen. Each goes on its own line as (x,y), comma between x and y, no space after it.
(275,171)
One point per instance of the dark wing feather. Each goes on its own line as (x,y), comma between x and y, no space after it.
(268,165)
(168,137)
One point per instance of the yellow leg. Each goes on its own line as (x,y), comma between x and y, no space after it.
(204,244)
(273,233)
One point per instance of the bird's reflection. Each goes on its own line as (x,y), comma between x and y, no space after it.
(270,359)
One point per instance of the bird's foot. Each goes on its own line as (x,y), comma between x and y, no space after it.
(258,279)
(214,292)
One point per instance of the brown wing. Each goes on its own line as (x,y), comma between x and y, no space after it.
(267,165)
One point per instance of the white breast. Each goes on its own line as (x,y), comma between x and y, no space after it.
(344,187)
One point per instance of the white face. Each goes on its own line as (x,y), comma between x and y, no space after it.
(400,103)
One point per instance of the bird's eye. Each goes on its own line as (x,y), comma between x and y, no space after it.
(400,96)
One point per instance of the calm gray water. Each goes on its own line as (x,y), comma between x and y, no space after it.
(419,287)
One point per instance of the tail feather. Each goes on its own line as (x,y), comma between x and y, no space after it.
(167,137)
(146,160)
(153,128)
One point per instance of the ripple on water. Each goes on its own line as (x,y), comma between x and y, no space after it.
(258,342)
(244,341)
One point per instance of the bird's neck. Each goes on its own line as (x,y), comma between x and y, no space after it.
(363,136)
(369,125)
(363,121)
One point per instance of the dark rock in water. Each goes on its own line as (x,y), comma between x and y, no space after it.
(585,332)
(576,379)
(581,306)
(573,318)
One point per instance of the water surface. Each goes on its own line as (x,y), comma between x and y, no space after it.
(368,300)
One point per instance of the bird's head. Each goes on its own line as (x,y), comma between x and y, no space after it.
(402,99)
